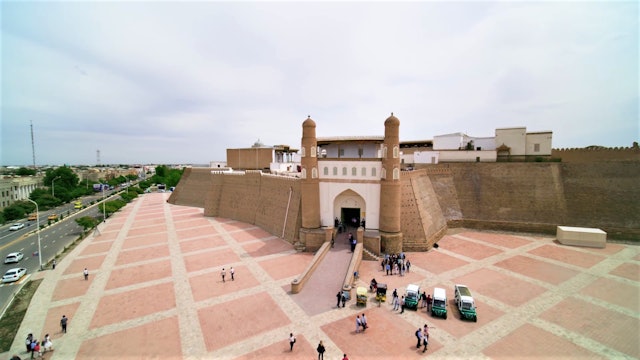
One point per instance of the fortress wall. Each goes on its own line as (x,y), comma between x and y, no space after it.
(540,196)
(194,184)
(590,155)
(240,196)
(275,192)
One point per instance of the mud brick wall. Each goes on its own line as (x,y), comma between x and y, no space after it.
(193,187)
(539,196)
(422,221)
(273,203)
(591,155)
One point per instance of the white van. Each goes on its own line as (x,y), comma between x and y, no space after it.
(439,303)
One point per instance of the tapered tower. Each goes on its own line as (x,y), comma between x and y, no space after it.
(310,187)
(390,187)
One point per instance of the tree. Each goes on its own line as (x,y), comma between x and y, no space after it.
(23,171)
(87,222)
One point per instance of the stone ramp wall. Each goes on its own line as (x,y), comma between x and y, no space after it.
(193,188)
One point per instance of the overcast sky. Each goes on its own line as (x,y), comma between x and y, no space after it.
(174,82)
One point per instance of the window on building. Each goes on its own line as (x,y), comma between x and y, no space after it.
(364,171)
(314,173)
(396,152)
(312,151)
(335,171)
(303,174)
(396,174)
(344,171)
(325,171)
(340,152)
(302,153)
(536,147)
(373,171)
(354,171)
(360,152)
(384,152)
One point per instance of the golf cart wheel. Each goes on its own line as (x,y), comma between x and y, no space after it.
(445,316)
(475,319)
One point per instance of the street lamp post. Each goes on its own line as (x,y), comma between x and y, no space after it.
(38,225)
(53,186)
(104,211)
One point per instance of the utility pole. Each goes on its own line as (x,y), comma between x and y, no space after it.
(33,147)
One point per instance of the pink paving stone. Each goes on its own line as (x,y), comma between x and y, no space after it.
(238,319)
(210,259)
(467,248)
(232,225)
(92,263)
(148,222)
(434,261)
(191,223)
(615,292)
(156,340)
(280,350)
(138,274)
(286,266)
(267,247)
(627,270)
(147,230)
(126,257)
(110,309)
(380,340)
(146,240)
(613,329)
(191,233)
(202,243)
(52,321)
(504,240)
(544,271)
(504,288)
(70,288)
(105,236)
(531,342)
(210,285)
(565,255)
(251,234)
(610,249)
(637,257)
(97,248)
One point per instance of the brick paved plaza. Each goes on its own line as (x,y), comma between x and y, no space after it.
(155,291)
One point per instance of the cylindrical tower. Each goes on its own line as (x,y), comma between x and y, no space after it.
(309,185)
(390,187)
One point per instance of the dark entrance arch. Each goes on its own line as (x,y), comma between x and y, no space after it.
(347,215)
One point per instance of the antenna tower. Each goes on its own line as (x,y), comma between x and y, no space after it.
(98,157)
(33,147)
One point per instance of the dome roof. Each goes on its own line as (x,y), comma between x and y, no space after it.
(392,120)
(309,122)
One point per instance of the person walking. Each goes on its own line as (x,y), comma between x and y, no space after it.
(396,302)
(231,271)
(402,304)
(363,320)
(344,357)
(358,323)
(223,273)
(28,342)
(86,274)
(320,350)
(429,301)
(419,337)
(292,340)
(53,264)
(63,323)
(339,298)
(343,298)
(425,341)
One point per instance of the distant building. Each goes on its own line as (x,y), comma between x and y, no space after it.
(274,159)
(15,188)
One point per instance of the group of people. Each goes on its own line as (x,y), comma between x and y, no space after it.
(341,298)
(232,272)
(426,301)
(395,264)
(423,337)
(361,322)
(37,348)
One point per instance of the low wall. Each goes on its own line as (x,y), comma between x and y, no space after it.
(298,283)
(354,265)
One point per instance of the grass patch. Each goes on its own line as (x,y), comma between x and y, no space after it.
(10,322)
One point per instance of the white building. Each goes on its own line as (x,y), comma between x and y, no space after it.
(14,188)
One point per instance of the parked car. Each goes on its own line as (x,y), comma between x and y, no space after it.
(52,217)
(14,257)
(411,297)
(464,301)
(16,226)
(14,275)
(439,303)
(33,217)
